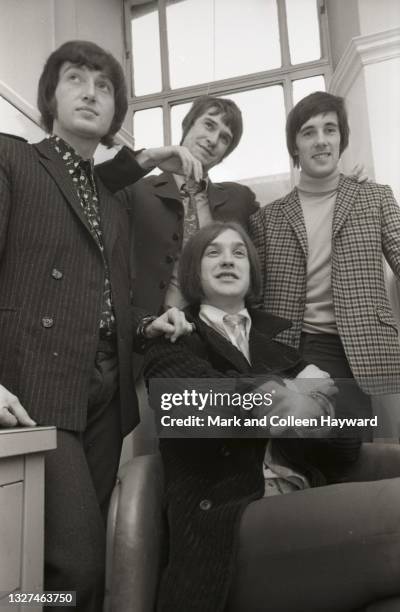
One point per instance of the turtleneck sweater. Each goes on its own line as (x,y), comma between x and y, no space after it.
(317,197)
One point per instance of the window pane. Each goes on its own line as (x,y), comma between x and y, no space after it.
(178,111)
(303,87)
(217,39)
(12,121)
(146,49)
(262,149)
(148,128)
(303,28)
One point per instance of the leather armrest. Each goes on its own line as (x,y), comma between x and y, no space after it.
(134,536)
(376,461)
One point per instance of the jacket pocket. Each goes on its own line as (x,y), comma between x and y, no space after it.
(385,316)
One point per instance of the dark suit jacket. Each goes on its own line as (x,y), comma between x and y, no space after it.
(51,287)
(209,482)
(156,211)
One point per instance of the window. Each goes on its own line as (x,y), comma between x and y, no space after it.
(263,54)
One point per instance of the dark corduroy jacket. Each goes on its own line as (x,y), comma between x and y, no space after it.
(209,482)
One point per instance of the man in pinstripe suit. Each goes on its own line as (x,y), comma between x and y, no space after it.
(322,248)
(66,320)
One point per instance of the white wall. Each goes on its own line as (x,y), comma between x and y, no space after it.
(378,15)
(344,23)
(383,99)
(367,74)
(31,29)
(26,39)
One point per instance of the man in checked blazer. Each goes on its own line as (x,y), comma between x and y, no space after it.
(67,325)
(321,249)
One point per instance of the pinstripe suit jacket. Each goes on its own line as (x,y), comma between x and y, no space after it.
(51,286)
(366,225)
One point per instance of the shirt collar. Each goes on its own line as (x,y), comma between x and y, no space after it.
(214,317)
(71,158)
(180,180)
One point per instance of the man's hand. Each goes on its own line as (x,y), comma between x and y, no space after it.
(360,173)
(172,324)
(288,401)
(176,159)
(313,380)
(312,371)
(12,412)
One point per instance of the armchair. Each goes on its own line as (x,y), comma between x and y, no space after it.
(135,527)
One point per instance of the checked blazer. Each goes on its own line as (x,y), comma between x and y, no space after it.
(366,227)
(51,288)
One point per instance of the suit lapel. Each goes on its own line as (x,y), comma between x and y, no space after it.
(347,193)
(222,347)
(165,187)
(291,208)
(51,161)
(264,354)
(217,195)
(109,218)
(54,166)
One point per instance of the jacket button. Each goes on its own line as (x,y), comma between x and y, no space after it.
(175,237)
(205,504)
(47,322)
(163,284)
(57,274)
(169,259)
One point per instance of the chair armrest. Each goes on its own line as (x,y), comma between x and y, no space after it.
(134,536)
(376,461)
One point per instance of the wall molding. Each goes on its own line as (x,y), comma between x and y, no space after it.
(20,103)
(360,52)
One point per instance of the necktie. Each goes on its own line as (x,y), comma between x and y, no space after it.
(191,221)
(236,324)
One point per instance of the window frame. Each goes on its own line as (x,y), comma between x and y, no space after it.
(284,75)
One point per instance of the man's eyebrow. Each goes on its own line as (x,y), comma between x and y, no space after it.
(104,75)
(218,243)
(210,118)
(312,125)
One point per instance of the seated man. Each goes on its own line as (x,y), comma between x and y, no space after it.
(230,527)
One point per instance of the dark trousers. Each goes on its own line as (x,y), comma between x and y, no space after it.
(327,549)
(327,352)
(79,478)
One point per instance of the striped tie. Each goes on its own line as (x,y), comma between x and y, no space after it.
(191,223)
(236,324)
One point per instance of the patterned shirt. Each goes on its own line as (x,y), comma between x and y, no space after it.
(81,172)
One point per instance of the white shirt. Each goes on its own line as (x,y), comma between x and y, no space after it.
(214,317)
